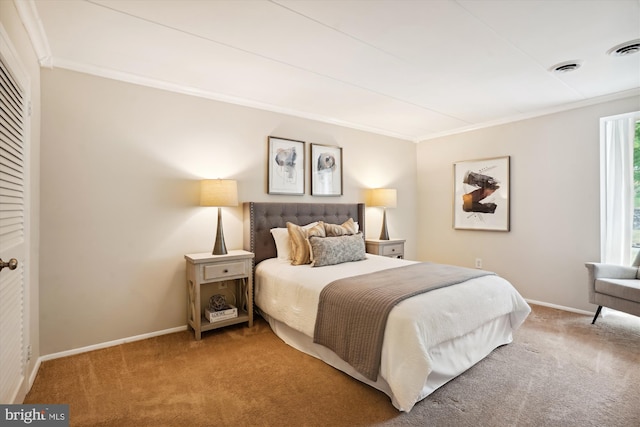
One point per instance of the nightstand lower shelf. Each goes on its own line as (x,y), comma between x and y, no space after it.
(205,325)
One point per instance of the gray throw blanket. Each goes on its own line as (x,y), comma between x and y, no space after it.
(352,312)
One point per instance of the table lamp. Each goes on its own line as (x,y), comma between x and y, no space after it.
(385,198)
(220,193)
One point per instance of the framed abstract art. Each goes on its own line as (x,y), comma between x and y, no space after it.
(326,170)
(481,194)
(285,164)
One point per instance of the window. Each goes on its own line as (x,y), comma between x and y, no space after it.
(635,240)
(620,188)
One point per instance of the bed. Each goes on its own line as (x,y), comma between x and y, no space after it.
(429,338)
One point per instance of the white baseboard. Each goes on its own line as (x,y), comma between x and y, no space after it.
(559,307)
(182,328)
(36,367)
(109,344)
(34,372)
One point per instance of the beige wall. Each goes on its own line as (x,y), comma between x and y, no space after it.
(555,209)
(120,171)
(120,165)
(22,45)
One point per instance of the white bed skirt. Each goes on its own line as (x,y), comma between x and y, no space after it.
(475,346)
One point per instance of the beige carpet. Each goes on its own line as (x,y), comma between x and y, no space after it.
(560,371)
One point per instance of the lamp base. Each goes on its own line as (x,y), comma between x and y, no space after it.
(219,248)
(384,234)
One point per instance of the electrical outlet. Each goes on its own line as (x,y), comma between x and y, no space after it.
(478,262)
(222,285)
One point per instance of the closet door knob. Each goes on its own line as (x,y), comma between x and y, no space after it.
(12,264)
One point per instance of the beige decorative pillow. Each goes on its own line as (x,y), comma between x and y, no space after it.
(348,227)
(299,236)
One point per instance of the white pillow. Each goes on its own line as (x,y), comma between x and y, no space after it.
(283,242)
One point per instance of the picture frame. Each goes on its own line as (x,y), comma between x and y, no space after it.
(481,194)
(285,164)
(326,170)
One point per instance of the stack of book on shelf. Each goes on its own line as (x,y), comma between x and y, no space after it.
(226,312)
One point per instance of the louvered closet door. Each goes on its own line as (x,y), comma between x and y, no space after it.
(13,243)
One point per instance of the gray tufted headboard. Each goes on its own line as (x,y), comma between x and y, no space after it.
(260,218)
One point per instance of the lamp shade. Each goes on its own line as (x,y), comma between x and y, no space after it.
(218,192)
(385,197)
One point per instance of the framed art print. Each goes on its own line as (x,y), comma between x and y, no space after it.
(285,166)
(481,194)
(326,170)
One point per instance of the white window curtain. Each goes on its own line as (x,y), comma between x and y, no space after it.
(616,187)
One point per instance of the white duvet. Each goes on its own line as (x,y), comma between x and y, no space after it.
(418,330)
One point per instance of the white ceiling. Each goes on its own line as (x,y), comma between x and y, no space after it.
(406,68)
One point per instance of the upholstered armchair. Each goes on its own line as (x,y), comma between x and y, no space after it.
(614,286)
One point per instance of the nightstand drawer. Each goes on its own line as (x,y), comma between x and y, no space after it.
(395,249)
(220,271)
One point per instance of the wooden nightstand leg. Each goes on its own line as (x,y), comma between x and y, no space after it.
(193,308)
(244,292)
(248,295)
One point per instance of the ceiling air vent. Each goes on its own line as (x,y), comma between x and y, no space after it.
(566,67)
(624,49)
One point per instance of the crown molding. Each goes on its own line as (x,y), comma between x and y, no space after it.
(189,90)
(30,18)
(543,112)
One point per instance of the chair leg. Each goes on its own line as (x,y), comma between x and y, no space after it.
(597,314)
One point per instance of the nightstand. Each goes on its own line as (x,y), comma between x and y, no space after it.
(208,275)
(393,248)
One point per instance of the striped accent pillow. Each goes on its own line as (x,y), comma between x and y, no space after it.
(300,252)
(348,227)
